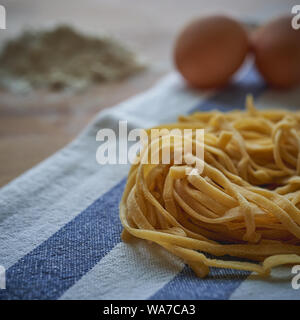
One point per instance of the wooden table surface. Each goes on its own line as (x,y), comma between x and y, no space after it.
(35,125)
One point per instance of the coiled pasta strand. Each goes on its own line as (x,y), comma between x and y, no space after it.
(245,203)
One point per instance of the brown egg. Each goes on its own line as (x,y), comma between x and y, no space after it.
(209,50)
(276,47)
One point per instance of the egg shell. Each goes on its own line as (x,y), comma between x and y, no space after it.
(210,50)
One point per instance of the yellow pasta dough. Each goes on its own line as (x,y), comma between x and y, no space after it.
(245,203)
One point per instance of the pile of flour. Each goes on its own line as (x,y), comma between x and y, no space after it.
(63,58)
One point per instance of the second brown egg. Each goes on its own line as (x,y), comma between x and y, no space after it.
(276,47)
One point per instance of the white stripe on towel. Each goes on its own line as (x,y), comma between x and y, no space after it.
(276,287)
(41,201)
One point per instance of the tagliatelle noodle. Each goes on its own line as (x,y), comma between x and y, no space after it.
(245,203)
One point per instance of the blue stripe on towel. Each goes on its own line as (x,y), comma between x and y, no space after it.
(55,265)
(59,262)
(233,96)
(185,285)
(219,284)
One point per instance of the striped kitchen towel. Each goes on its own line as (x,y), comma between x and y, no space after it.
(59,222)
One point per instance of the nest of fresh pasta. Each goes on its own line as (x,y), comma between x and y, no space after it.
(244,202)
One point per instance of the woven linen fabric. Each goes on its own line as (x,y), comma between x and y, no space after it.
(60,227)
